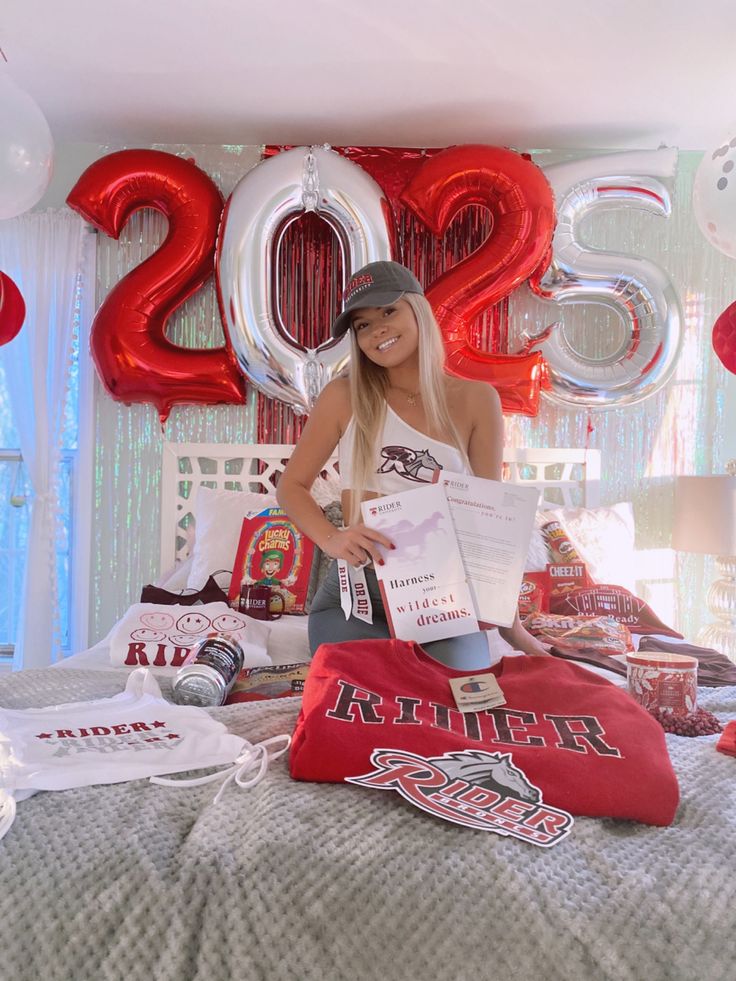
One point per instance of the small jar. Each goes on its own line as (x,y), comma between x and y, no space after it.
(664,681)
(209,672)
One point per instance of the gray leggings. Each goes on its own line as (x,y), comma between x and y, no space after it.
(327,625)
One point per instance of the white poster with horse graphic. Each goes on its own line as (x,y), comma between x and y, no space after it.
(422,581)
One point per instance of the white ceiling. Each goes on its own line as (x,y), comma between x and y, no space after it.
(523,73)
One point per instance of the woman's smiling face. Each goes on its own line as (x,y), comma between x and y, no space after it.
(387,335)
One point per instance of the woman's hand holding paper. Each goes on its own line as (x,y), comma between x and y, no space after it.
(357,545)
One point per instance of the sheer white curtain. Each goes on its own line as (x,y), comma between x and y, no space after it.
(42,252)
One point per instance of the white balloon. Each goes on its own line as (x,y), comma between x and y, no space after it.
(714,195)
(275,192)
(26,150)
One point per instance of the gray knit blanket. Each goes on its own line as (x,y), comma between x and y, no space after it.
(305,881)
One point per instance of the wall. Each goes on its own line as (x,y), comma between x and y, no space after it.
(685,428)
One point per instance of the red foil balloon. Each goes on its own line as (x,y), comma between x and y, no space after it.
(724,338)
(135,360)
(12,309)
(522,206)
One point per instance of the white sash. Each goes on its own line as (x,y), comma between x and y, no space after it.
(354,595)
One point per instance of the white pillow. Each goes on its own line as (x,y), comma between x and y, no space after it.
(537,555)
(327,489)
(218,517)
(175,578)
(604,537)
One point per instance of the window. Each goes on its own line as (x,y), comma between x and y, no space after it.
(15,495)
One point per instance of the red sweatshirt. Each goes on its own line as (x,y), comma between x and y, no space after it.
(588,746)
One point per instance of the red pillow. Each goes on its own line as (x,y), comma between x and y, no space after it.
(611,601)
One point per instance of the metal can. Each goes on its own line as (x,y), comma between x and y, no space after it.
(210,673)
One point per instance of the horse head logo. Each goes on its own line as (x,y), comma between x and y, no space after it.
(408,463)
(492,771)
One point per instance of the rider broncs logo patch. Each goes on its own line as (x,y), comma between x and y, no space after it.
(478,790)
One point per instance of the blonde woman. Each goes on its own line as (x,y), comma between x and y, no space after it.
(396,418)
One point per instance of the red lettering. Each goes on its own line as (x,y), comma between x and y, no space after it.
(120,730)
(551,822)
(136,655)
(513,809)
(180,656)
(480,797)
(140,727)
(65,733)
(406,771)
(160,660)
(100,731)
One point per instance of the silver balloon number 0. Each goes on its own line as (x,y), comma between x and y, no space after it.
(636,289)
(264,202)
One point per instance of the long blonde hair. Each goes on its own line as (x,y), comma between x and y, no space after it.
(368,387)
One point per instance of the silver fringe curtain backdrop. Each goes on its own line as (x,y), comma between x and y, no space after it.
(679,430)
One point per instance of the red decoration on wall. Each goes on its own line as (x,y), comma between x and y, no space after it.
(317,297)
(724,338)
(12,309)
(134,358)
(521,204)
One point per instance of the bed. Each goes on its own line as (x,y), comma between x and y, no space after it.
(314,881)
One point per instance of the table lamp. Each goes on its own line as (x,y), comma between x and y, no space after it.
(705,522)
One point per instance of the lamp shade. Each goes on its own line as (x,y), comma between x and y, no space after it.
(705,515)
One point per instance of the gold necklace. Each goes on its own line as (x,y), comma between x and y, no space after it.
(411,397)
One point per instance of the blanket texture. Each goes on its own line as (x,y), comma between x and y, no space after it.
(302,881)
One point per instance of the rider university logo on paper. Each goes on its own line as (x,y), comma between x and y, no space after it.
(473,788)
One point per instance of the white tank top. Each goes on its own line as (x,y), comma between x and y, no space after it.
(404,457)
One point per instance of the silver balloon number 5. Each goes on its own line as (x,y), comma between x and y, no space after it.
(264,202)
(636,289)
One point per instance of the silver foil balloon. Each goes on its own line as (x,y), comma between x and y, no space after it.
(276,192)
(636,289)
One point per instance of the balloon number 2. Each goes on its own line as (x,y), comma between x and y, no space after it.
(134,358)
(522,206)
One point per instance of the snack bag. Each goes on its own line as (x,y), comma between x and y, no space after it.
(533,594)
(275,681)
(603,634)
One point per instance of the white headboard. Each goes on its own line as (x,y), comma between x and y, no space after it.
(565,477)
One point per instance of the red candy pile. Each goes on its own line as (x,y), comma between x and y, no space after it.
(698,723)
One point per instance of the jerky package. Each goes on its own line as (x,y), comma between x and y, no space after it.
(274,681)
